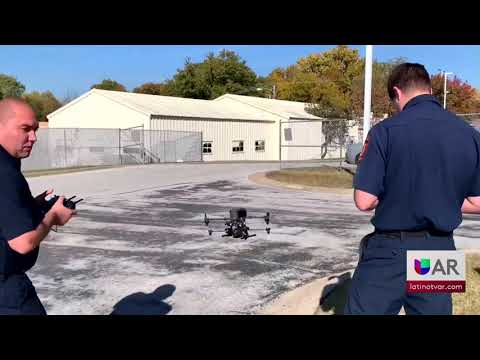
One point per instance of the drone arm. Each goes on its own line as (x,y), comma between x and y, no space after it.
(266,217)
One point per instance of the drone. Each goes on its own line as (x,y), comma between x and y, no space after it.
(235,225)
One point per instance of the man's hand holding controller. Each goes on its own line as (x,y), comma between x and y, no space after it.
(57,210)
(61,213)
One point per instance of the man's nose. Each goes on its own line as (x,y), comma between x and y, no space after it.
(32,136)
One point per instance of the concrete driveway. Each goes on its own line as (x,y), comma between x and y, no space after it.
(139,245)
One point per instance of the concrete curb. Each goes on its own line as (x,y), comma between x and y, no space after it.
(307,299)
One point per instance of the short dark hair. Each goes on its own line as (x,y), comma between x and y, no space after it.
(6,110)
(408,76)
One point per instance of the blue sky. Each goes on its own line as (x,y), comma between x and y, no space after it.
(71,70)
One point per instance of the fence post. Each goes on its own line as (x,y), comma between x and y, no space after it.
(150,128)
(280,141)
(144,155)
(120,146)
(65,145)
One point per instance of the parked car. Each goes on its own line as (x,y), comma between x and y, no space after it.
(353,153)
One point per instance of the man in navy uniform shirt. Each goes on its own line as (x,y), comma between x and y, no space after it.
(22,225)
(419,170)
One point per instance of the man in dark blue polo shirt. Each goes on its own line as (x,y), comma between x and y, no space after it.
(419,170)
(22,225)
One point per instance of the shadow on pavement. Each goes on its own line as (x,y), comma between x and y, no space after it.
(145,304)
(334,296)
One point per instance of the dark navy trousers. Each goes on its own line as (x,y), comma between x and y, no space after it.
(378,286)
(18,296)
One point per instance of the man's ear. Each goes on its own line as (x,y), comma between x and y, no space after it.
(397,93)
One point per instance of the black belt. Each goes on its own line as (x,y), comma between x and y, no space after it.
(414,233)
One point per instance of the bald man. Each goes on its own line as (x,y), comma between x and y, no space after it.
(22,225)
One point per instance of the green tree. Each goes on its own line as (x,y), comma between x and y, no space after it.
(326,82)
(331,96)
(155,89)
(300,86)
(293,83)
(215,76)
(10,86)
(340,65)
(381,103)
(42,103)
(265,87)
(311,78)
(281,78)
(109,84)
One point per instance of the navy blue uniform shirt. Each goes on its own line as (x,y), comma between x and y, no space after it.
(18,215)
(421,164)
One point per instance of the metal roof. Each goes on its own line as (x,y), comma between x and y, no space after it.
(179,107)
(282,108)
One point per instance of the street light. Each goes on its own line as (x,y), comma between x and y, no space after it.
(445,75)
(273,89)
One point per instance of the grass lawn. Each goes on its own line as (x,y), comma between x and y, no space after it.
(320,176)
(468,303)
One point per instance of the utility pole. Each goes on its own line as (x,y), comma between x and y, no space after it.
(445,75)
(367,102)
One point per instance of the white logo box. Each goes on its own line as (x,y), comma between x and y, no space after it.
(445,265)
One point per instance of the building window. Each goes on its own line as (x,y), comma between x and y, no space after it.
(288,134)
(237,146)
(259,145)
(207,147)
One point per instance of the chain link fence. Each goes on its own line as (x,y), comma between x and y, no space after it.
(74,147)
(311,143)
(173,146)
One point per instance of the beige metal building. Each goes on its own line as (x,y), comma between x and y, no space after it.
(300,132)
(233,127)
